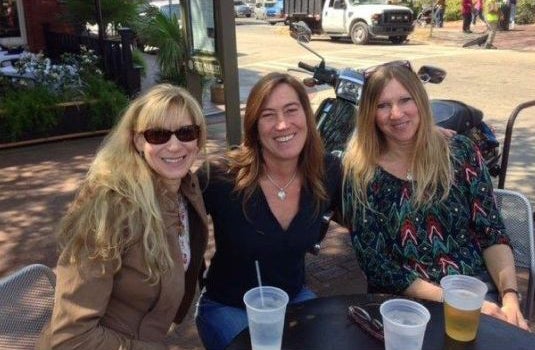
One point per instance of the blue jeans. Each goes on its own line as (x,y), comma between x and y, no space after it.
(218,323)
(439,17)
(512,13)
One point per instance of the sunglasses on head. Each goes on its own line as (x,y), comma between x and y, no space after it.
(160,136)
(368,72)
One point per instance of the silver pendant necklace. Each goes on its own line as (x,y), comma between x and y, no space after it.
(282,190)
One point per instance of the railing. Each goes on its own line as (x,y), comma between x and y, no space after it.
(116,63)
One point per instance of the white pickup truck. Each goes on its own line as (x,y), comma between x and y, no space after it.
(359,20)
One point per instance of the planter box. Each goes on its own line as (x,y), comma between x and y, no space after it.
(74,120)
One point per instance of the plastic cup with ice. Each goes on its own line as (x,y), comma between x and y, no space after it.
(266,307)
(404,324)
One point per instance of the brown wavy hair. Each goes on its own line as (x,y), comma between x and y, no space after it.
(245,162)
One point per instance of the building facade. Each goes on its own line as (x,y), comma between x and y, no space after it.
(21,22)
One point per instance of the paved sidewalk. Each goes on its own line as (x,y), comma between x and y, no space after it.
(521,38)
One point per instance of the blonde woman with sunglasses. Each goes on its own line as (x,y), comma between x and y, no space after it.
(133,240)
(420,206)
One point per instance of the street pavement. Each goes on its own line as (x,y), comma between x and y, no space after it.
(37,182)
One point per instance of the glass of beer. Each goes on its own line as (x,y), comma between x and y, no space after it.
(463,297)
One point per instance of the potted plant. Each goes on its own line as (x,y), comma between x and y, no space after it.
(164,33)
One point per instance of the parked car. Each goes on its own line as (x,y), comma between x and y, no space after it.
(241,9)
(275,11)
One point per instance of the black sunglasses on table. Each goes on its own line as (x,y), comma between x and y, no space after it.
(160,136)
(362,318)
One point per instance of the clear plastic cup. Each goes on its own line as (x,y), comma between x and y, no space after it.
(463,297)
(266,307)
(404,324)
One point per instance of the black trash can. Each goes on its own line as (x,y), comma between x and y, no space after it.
(505,11)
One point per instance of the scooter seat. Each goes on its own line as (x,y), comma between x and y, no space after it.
(455,115)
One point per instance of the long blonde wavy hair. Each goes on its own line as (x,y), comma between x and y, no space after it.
(119,201)
(430,161)
(246,161)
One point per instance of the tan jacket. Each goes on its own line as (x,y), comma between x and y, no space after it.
(121,310)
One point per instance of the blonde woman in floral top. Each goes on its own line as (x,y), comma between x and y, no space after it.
(420,206)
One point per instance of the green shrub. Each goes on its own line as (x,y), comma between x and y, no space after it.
(106,103)
(525,12)
(29,107)
(29,110)
(453,10)
(114,12)
(452,13)
(165,33)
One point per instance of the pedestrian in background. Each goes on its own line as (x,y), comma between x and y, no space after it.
(478,12)
(493,17)
(512,13)
(466,11)
(439,13)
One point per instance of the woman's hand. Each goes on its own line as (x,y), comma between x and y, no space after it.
(509,312)
(448,133)
(492,309)
(511,308)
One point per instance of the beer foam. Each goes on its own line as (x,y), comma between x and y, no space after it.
(462,299)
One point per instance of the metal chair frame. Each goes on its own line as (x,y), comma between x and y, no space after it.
(523,242)
(26,303)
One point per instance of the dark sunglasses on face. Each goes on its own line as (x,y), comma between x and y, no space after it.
(368,72)
(160,136)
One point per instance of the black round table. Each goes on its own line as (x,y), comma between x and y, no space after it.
(323,324)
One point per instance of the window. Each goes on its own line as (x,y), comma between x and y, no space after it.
(9,19)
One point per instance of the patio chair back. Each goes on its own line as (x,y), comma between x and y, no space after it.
(26,302)
(518,219)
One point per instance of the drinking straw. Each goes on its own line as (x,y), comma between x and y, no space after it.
(259,281)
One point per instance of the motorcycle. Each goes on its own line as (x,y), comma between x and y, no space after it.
(425,16)
(336,117)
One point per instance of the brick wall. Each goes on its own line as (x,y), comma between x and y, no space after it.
(38,12)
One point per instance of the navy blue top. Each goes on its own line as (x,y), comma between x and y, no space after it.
(242,239)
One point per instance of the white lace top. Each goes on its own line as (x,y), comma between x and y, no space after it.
(183,237)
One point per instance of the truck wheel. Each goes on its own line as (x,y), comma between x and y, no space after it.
(398,39)
(359,33)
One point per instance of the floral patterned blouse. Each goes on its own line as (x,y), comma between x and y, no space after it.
(396,244)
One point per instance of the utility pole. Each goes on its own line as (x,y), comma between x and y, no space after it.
(211,45)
